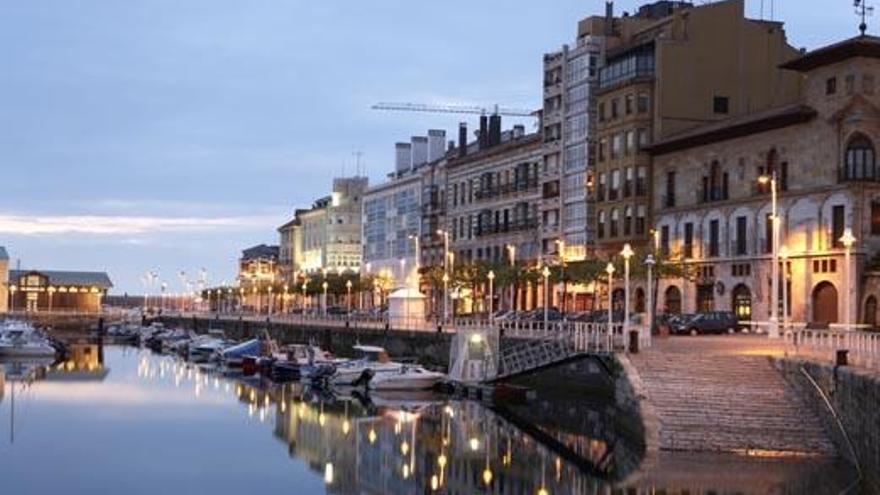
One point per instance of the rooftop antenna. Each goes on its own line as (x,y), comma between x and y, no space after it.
(357,161)
(863,11)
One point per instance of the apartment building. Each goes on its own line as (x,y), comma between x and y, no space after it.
(327,236)
(670,67)
(392,211)
(822,149)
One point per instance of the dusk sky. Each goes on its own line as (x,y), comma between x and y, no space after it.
(169,134)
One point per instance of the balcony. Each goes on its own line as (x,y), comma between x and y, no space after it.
(854,175)
(494,192)
(509,228)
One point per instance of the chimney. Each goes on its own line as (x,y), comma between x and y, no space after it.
(609,18)
(451,146)
(419,150)
(403,157)
(494,130)
(519,131)
(483,136)
(436,141)
(462,138)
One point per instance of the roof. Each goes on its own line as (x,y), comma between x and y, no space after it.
(860,46)
(3,254)
(261,251)
(295,221)
(81,279)
(735,127)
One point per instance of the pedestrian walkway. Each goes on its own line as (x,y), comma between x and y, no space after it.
(722,394)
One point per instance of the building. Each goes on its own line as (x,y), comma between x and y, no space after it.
(49,290)
(666,69)
(326,237)
(712,211)
(4,280)
(392,211)
(492,198)
(258,270)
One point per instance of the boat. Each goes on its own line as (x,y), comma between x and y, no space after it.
(206,347)
(297,361)
(372,361)
(234,356)
(407,378)
(19,342)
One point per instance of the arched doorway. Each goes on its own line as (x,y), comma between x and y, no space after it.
(742,302)
(640,300)
(617,298)
(870,315)
(825,303)
(673,300)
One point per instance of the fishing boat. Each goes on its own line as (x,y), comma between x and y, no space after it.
(234,356)
(371,361)
(297,361)
(205,347)
(407,378)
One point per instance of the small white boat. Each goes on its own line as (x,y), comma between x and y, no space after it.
(407,378)
(25,343)
(205,347)
(372,361)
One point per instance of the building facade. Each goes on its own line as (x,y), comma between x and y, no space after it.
(327,236)
(668,68)
(713,213)
(49,290)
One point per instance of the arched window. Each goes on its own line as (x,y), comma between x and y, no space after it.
(627,220)
(860,162)
(615,217)
(640,300)
(870,316)
(600,230)
(672,301)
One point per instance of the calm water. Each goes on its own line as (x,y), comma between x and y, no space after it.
(122,420)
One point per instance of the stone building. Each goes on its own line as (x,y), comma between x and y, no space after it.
(50,290)
(326,237)
(711,210)
(258,269)
(670,67)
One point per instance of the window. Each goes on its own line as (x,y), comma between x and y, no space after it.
(837,225)
(628,183)
(616,146)
(627,221)
(615,185)
(603,145)
(868,84)
(643,139)
(669,200)
(602,111)
(860,160)
(831,86)
(875,218)
(630,142)
(628,104)
(600,194)
(849,83)
(768,233)
(642,181)
(640,220)
(600,227)
(615,217)
(714,249)
(614,111)
(664,240)
(688,240)
(741,229)
(721,105)
(642,103)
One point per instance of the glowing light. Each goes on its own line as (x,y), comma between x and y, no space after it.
(404,448)
(474,444)
(435,482)
(441,461)
(487,476)
(346,427)
(372,436)
(449,411)
(328,473)
(476,338)
(405,471)
(322,419)
(543,491)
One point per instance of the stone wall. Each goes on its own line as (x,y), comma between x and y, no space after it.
(855,395)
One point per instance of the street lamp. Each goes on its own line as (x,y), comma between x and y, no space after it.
(546,273)
(848,240)
(403,271)
(650,262)
(445,235)
(324,286)
(445,297)
(560,249)
(627,253)
(305,287)
(774,243)
(415,239)
(348,288)
(491,277)
(783,255)
(609,269)
(511,251)
(285,300)
(270,307)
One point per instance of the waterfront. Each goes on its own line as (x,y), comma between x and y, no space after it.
(123,420)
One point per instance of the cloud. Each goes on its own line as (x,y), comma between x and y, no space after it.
(124,225)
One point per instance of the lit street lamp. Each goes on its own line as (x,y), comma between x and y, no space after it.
(511,250)
(546,274)
(774,242)
(650,262)
(491,277)
(324,286)
(783,255)
(305,287)
(445,297)
(348,288)
(609,269)
(560,249)
(848,240)
(445,235)
(627,253)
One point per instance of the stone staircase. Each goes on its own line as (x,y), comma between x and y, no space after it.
(707,399)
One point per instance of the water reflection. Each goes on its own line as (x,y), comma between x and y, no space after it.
(210,431)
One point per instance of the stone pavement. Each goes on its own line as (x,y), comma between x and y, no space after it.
(722,394)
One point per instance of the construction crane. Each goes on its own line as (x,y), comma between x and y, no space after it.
(422,107)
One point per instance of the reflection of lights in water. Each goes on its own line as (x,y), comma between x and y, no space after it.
(404,447)
(216,384)
(266,401)
(328,473)
(238,390)
(441,461)
(474,444)
(405,471)
(543,491)
(321,419)
(558,469)
(253,395)
(487,476)
(449,411)
(346,427)
(435,482)
(250,410)
(262,415)
(397,428)
(226,387)
(198,390)
(372,436)
(283,407)
(302,410)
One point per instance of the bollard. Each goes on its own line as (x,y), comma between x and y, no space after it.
(842,357)
(634,341)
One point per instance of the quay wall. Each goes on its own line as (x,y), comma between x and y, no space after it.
(854,393)
(428,348)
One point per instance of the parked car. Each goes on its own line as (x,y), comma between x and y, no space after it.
(553,314)
(717,322)
(336,311)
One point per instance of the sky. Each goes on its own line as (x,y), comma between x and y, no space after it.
(168,135)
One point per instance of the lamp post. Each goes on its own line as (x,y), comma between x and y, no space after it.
(783,256)
(546,273)
(848,240)
(774,244)
(418,261)
(491,277)
(650,262)
(285,300)
(560,248)
(305,287)
(348,288)
(511,251)
(403,271)
(324,286)
(609,269)
(445,235)
(627,253)
(271,306)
